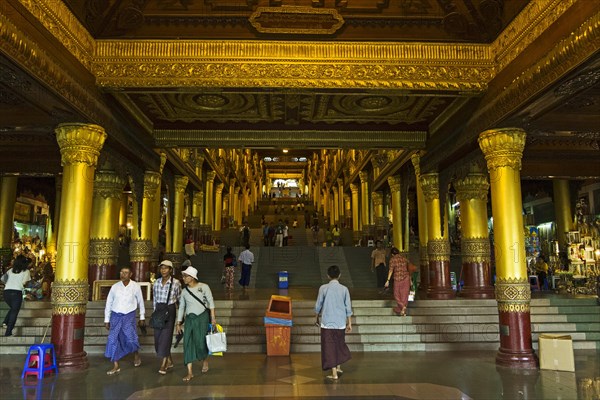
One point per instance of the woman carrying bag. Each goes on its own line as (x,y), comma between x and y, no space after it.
(401,268)
(198,307)
(166,293)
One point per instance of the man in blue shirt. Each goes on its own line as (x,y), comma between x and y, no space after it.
(335,309)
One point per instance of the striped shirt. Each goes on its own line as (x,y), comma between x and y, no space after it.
(161,291)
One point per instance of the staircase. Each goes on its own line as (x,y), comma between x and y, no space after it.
(432,325)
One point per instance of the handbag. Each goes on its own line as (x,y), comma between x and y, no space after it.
(159,317)
(216,340)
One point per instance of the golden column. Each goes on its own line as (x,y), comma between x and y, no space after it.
(235,206)
(394,182)
(230,209)
(472,192)
(355,207)
(8,198)
(336,207)
(140,249)
(209,211)
(422,221)
(218,206)
(364,198)
(80,146)
(123,212)
(104,229)
(562,210)
(340,189)
(245,204)
(503,149)
(156,211)
(438,246)
(135,229)
(181,183)
(53,229)
(378,208)
(347,210)
(198,207)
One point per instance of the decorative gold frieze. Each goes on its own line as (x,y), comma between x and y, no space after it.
(296,20)
(80,143)
(181,183)
(140,250)
(394,182)
(151,184)
(107,184)
(438,250)
(473,186)
(377,198)
(431,187)
(513,294)
(416,162)
(503,147)
(103,251)
(475,250)
(69,297)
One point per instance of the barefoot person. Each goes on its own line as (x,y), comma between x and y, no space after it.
(199,309)
(335,308)
(166,292)
(119,318)
(399,269)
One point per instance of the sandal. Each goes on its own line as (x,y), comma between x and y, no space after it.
(113,371)
(137,363)
(169,367)
(188,378)
(162,371)
(333,378)
(204,369)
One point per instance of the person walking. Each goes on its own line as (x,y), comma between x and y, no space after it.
(229,262)
(198,307)
(378,263)
(15,280)
(246,259)
(166,292)
(334,309)
(123,299)
(399,268)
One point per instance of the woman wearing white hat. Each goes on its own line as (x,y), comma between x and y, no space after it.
(198,306)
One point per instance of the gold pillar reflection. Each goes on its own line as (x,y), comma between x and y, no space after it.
(235,206)
(562,210)
(151,183)
(394,182)
(503,149)
(209,211)
(218,206)
(8,198)
(355,227)
(364,197)
(180,185)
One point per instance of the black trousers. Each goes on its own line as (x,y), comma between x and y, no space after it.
(381,271)
(14,299)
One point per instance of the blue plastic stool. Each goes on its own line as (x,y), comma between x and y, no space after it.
(35,363)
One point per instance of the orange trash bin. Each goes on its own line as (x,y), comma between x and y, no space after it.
(278,325)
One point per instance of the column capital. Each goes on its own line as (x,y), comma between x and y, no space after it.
(377,198)
(472,186)
(210,176)
(107,184)
(198,197)
(503,147)
(232,182)
(181,183)
(394,182)
(80,143)
(354,188)
(364,176)
(219,188)
(340,182)
(416,162)
(151,183)
(163,161)
(430,186)
(347,197)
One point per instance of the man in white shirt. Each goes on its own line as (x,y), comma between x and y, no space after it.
(119,318)
(246,258)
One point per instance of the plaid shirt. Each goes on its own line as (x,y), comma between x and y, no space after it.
(160,292)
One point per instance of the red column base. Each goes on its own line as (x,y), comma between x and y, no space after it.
(525,359)
(67,337)
(440,287)
(516,350)
(477,280)
(141,270)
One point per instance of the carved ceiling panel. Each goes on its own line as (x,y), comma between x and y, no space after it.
(435,20)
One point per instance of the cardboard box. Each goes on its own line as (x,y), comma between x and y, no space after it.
(556,352)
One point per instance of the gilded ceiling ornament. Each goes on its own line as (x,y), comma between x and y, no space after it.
(503,147)
(430,186)
(416,162)
(296,20)
(80,143)
(472,187)
(108,184)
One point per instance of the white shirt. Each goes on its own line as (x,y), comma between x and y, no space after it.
(17,281)
(246,257)
(124,299)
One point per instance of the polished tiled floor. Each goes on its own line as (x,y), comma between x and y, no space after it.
(368,375)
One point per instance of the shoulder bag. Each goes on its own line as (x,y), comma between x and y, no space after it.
(159,317)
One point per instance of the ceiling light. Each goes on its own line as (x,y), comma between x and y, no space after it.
(285,150)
